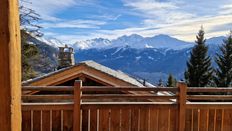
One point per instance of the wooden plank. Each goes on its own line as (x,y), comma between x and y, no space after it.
(93,119)
(46,121)
(204,120)
(212,119)
(46,97)
(85,120)
(68,120)
(218,119)
(102,105)
(126,88)
(26,121)
(126,96)
(44,106)
(195,120)
(115,116)
(188,120)
(182,105)
(163,119)
(125,119)
(56,120)
(77,106)
(209,89)
(144,118)
(104,120)
(173,122)
(154,119)
(134,119)
(209,97)
(47,88)
(209,105)
(37,116)
(10,66)
(227,124)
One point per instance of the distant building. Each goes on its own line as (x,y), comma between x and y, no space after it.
(65,57)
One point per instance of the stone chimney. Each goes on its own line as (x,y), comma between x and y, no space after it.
(65,57)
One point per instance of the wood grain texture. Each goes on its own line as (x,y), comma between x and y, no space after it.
(93,120)
(26,122)
(56,120)
(10,66)
(115,119)
(104,120)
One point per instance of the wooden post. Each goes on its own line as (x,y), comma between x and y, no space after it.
(77,106)
(182,105)
(10,67)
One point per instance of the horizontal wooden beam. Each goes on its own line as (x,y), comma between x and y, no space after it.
(47,88)
(128,105)
(125,96)
(209,97)
(127,88)
(208,89)
(47,106)
(46,97)
(209,105)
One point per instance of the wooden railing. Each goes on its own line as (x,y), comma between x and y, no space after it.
(83,108)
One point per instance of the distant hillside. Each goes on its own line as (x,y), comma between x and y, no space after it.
(149,58)
(47,60)
(134,41)
(148,63)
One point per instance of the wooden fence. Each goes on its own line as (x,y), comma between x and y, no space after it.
(126,109)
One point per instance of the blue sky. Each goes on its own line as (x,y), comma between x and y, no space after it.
(75,20)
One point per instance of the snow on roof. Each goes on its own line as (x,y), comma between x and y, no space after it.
(117,74)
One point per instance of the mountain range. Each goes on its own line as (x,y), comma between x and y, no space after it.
(149,58)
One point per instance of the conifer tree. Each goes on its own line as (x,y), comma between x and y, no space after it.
(171,81)
(199,70)
(160,83)
(223,73)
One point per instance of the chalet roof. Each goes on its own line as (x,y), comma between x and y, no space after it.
(91,64)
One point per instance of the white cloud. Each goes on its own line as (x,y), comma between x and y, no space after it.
(178,18)
(73,24)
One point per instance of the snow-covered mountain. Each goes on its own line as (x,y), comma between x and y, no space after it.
(135,41)
(51,41)
(94,43)
(150,58)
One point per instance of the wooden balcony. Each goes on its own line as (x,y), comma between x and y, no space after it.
(83,110)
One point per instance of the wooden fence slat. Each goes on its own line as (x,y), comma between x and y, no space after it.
(227,125)
(154,116)
(163,119)
(93,119)
(46,120)
(68,120)
(143,119)
(212,119)
(37,121)
(204,120)
(188,120)
(104,120)
(115,120)
(125,119)
(173,122)
(218,119)
(26,121)
(85,120)
(195,120)
(56,120)
(134,119)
